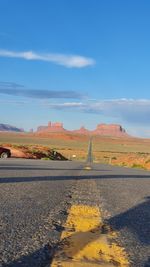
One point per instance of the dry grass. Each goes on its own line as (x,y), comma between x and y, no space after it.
(66,144)
(122,145)
(130,152)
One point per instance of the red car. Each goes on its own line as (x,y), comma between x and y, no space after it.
(5,153)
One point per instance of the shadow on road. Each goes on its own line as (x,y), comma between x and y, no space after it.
(28,168)
(136,220)
(39,258)
(65,177)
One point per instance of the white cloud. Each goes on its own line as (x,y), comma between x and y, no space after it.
(135,111)
(66,105)
(70,61)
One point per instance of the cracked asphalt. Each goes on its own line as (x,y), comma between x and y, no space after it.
(35,196)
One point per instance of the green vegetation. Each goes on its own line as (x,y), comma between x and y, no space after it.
(46,159)
(134,165)
(123,164)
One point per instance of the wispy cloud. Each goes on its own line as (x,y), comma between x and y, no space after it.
(127,110)
(13,89)
(67,105)
(70,61)
(133,111)
(15,102)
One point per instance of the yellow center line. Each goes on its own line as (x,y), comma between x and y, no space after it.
(87,168)
(83,243)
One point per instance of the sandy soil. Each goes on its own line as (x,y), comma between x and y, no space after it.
(33,152)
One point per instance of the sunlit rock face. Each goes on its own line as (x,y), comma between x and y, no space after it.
(110,130)
(101,129)
(82,130)
(52,127)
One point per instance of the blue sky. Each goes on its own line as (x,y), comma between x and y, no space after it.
(79,62)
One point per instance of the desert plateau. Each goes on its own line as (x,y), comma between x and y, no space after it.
(115,149)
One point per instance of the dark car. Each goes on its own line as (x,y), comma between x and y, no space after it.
(4,153)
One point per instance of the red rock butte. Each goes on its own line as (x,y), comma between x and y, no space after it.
(51,127)
(101,129)
(110,129)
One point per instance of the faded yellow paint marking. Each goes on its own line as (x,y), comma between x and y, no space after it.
(83,243)
(87,168)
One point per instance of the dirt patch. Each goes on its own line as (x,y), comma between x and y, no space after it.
(133,160)
(34,152)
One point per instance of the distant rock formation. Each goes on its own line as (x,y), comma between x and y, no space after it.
(82,130)
(110,129)
(51,127)
(9,128)
(101,129)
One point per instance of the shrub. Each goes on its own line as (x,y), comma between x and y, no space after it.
(135,165)
(123,164)
(113,158)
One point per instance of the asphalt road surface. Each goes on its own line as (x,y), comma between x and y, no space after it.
(90,154)
(35,196)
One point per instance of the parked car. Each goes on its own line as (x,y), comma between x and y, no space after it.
(5,153)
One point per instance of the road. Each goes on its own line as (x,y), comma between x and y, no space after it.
(36,194)
(90,154)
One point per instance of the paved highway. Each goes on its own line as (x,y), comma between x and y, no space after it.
(35,196)
(90,155)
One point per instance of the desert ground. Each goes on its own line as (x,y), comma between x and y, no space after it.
(129,152)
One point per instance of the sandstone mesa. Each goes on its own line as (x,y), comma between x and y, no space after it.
(101,129)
